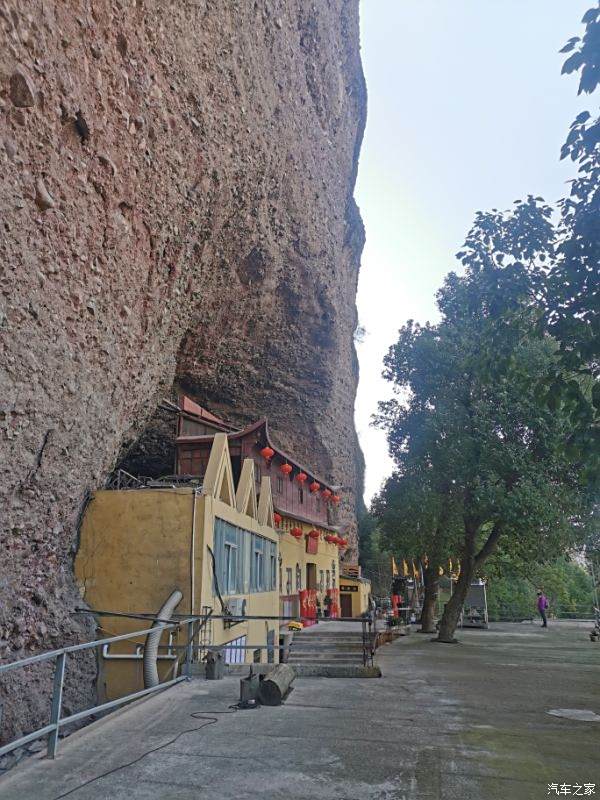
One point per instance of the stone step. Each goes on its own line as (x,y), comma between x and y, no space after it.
(327,648)
(336,671)
(327,639)
(332,657)
(311,633)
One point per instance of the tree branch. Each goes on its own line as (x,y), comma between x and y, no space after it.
(490,545)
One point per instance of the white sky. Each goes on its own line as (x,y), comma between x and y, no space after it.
(467,111)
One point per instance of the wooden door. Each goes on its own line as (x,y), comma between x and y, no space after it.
(346,605)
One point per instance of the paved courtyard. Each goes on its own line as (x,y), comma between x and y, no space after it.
(500,716)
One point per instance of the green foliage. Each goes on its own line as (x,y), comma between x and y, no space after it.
(572,296)
(494,428)
(512,594)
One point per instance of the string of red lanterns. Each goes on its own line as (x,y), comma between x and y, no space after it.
(286,469)
(277,518)
(296,533)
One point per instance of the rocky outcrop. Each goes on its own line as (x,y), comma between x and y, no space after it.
(176,205)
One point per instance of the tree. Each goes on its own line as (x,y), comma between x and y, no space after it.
(572,296)
(417,517)
(467,406)
(512,588)
(503,395)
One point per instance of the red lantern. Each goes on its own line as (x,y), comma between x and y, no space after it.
(314,534)
(342,543)
(314,487)
(277,519)
(301,477)
(267,453)
(335,498)
(286,468)
(326,493)
(330,538)
(296,533)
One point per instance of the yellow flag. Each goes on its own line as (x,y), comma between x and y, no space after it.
(415,570)
(441,571)
(450,564)
(404,568)
(394,568)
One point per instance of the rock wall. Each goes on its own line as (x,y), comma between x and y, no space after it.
(176,204)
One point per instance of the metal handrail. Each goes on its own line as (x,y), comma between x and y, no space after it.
(194,625)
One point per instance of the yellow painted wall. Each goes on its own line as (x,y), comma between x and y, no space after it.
(257,603)
(293,551)
(360,598)
(136,548)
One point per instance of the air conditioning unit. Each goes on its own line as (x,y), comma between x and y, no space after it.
(236,606)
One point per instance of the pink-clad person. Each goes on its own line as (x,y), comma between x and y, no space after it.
(542,604)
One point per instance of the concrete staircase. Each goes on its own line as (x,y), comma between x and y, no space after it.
(335,647)
(332,654)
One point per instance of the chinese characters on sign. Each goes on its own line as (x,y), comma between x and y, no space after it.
(577,789)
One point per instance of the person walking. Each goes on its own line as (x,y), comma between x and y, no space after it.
(542,604)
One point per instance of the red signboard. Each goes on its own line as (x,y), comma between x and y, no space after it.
(334,608)
(308,606)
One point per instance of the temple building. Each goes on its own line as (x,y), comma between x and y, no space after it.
(305,507)
(241,529)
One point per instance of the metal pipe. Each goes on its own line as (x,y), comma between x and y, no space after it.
(23,662)
(119,701)
(133,656)
(193,555)
(150,668)
(59,679)
(30,737)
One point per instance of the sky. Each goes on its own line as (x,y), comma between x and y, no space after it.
(467,111)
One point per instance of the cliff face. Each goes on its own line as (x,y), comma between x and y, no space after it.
(176,206)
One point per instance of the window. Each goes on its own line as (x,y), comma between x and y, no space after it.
(280,485)
(280,560)
(273,575)
(244,561)
(263,566)
(230,578)
(328,580)
(234,652)
(288,580)
(229,558)
(298,578)
(257,569)
(321,580)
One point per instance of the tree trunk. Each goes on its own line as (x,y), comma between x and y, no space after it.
(454,606)
(432,582)
(275,685)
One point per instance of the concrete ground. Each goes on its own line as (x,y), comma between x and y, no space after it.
(470,721)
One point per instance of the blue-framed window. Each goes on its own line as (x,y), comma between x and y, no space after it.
(245,562)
